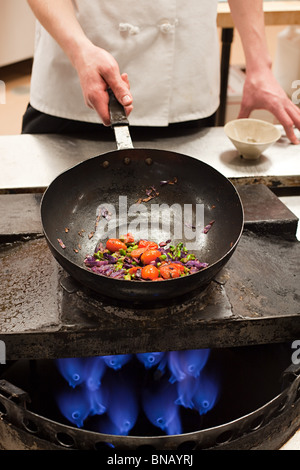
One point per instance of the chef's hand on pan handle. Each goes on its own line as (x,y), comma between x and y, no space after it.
(96,68)
(262,91)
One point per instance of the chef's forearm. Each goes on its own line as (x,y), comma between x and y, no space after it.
(59,19)
(248,18)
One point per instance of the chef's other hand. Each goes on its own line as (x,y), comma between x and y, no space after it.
(98,70)
(264,92)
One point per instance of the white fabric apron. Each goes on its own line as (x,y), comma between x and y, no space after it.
(168,48)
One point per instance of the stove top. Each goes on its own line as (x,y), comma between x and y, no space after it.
(253,300)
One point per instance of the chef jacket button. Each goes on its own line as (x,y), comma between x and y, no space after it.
(166,27)
(128,28)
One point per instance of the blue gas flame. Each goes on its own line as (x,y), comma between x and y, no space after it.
(206,393)
(98,400)
(160,407)
(103,386)
(123,406)
(117,361)
(74,405)
(96,367)
(152,359)
(185,391)
(74,370)
(184,363)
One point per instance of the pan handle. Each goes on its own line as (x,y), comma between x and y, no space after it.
(119,122)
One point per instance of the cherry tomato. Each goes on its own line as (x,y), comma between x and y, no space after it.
(148,244)
(150,255)
(169,271)
(150,272)
(138,252)
(178,266)
(133,270)
(113,244)
(128,238)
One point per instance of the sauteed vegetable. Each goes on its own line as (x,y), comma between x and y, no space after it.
(146,260)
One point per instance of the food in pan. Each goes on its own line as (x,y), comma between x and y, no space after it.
(146,260)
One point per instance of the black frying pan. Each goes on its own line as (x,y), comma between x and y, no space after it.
(71,202)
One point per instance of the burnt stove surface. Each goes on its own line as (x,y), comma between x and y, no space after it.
(253,300)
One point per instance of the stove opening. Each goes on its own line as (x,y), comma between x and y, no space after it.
(153,394)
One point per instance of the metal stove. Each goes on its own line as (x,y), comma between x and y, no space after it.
(253,300)
(252,303)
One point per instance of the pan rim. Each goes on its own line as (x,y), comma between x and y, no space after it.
(111,153)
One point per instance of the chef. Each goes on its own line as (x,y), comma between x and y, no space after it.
(160,58)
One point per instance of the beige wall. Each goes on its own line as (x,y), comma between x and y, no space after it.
(237,56)
(17,28)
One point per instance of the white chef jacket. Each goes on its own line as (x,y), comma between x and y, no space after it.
(168,48)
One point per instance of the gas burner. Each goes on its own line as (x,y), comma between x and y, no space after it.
(257,408)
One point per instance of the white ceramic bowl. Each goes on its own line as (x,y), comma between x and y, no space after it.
(251,137)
